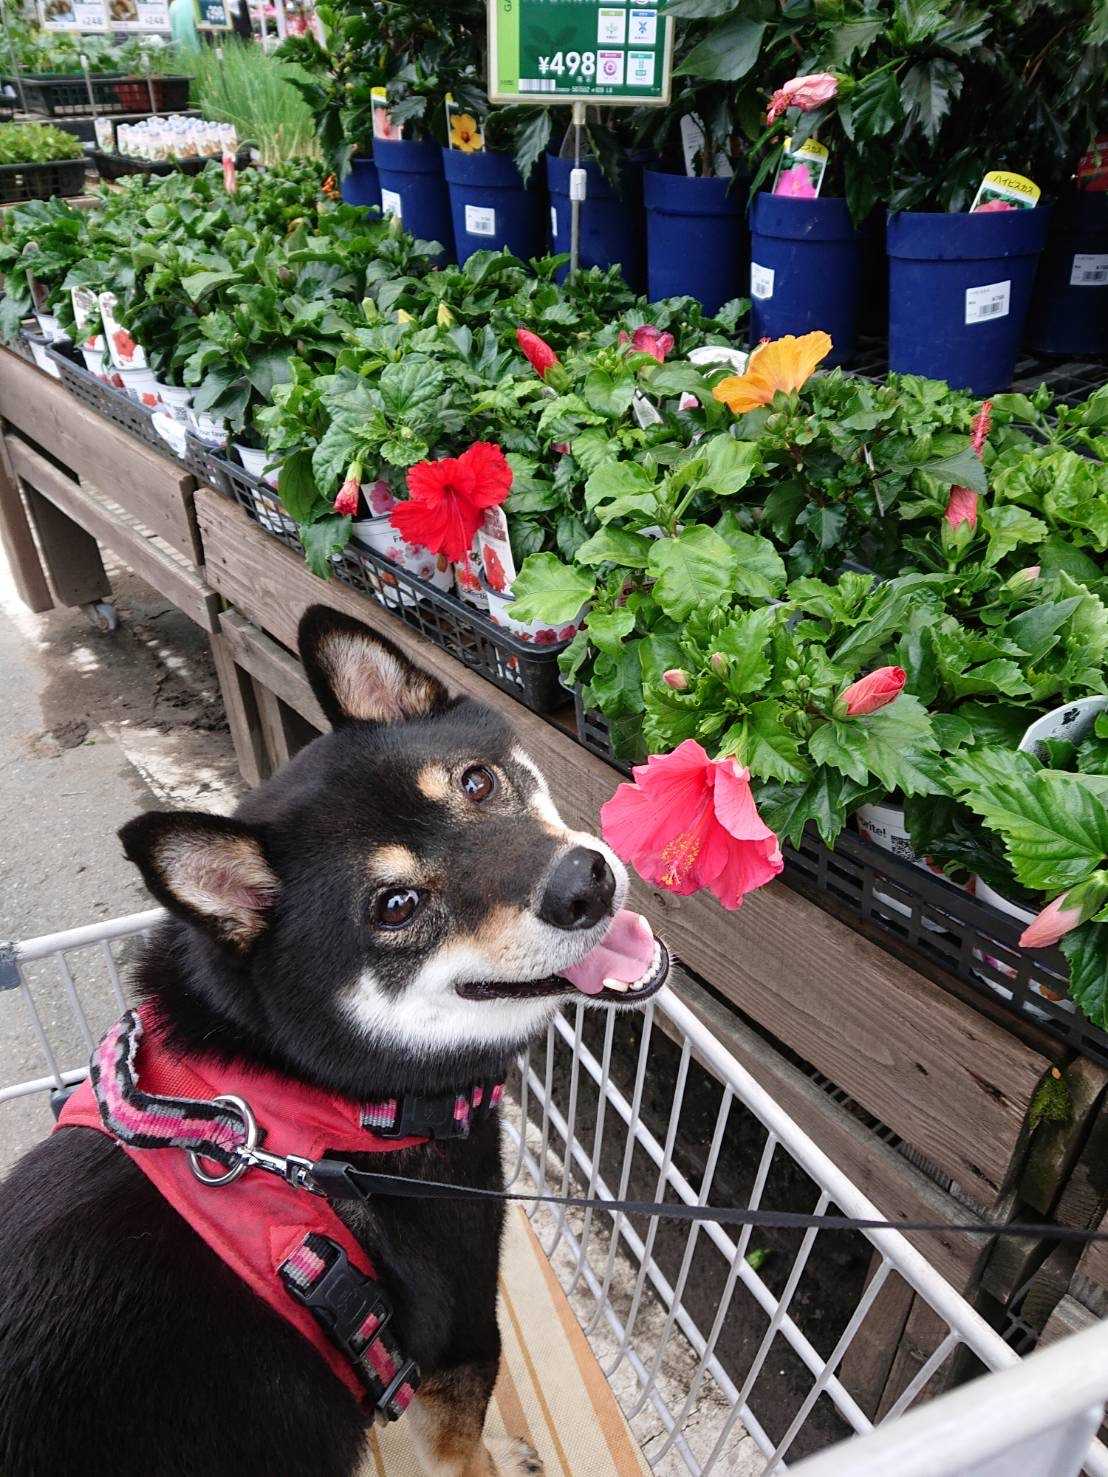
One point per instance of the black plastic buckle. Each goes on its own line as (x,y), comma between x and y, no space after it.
(342,1300)
(432,1117)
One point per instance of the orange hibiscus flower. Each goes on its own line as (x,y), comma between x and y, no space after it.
(781,364)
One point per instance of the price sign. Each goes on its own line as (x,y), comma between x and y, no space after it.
(563,51)
(138,15)
(212,15)
(73,15)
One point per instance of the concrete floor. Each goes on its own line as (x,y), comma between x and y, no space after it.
(93,729)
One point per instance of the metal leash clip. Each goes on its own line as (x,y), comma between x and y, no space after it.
(293,1169)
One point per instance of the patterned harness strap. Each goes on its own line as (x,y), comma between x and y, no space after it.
(354,1312)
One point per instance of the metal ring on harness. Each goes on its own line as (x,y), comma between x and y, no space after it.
(245,1149)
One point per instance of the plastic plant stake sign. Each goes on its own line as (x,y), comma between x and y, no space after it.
(800,173)
(558,51)
(1002,190)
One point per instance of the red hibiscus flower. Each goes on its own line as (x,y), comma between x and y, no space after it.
(536,351)
(690,822)
(448,498)
(650,340)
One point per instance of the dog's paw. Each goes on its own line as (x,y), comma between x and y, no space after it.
(511,1457)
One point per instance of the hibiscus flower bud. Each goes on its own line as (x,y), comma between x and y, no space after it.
(536,351)
(961,508)
(1024,577)
(676,679)
(346,503)
(1066,912)
(875,690)
(650,340)
(718,663)
(981,423)
(805,93)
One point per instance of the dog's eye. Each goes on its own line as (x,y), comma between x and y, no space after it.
(396,907)
(478,783)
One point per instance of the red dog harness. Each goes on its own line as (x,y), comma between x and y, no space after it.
(275,1230)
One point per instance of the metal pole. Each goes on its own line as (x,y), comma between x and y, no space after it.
(13,51)
(91,95)
(577,187)
(149,83)
(265,29)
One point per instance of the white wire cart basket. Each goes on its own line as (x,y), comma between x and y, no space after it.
(726,1351)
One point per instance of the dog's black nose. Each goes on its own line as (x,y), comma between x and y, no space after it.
(579,891)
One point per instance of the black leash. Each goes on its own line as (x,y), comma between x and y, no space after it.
(340,1180)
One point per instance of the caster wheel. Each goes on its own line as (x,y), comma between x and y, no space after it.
(103,615)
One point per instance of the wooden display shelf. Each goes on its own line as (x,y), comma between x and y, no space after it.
(945,1080)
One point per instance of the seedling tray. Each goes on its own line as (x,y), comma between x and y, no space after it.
(516,667)
(106,400)
(114,166)
(936,926)
(66,95)
(41,181)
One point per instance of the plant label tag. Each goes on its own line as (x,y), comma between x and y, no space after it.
(495,548)
(1092,170)
(761,281)
(800,173)
(609,68)
(1001,190)
(553,221)
(464,130)
(1089,270)
(391,204)
(104,130)
(383,126)
(85,307)
(640,69)
(644,28)
(125,353)
(480,220)
(692,149)
(230,173)
(644,412)
(988,302)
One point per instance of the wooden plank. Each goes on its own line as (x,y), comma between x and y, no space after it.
(952,1084)
(273,726)
(1068,1317)
(160,567)
(71,555)
(277,668)
(237,692)
(869,1359)
(1054,1146)
(1084,1197)
(150,487)
(18,542)
(923,1334)
(1091,1278)
(1048,1286)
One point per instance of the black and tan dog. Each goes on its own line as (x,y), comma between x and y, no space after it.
(400,909)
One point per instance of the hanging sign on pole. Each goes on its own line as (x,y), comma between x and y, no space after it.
(564,51)
(73,15)
(212,15)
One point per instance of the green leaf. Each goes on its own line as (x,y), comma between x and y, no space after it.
(729,464)
(843,746)
(607,394)
(1055,831)
(900,747)
(321,540)
(761,741)
(727,54)
(548,590)
(618,488)
(297,489)
(199,284)
(608,629)
(853,38)
(761,570)
(927,90)
(269,369)
(616,546)
(744,641)
(693,571)
(1008,526)
(964,469)
(827,799)
(874,106)
(1086,949)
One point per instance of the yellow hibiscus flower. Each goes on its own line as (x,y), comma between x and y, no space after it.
(464,133)
(780,364)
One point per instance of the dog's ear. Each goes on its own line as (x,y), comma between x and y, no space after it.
(209,869)
(358,676)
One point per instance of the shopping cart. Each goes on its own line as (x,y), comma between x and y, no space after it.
(726,1351)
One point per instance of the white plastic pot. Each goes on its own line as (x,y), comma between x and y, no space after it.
(379,535)
(38,348)
(138,385)
(1072,722)
(997,900)
(95,361)
(270,513)
(176,400)
(883,826)
(49,326)
(171,430)
(206,428)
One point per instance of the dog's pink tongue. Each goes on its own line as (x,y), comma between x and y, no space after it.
(624,953)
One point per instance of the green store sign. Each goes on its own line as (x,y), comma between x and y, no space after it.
(555,51)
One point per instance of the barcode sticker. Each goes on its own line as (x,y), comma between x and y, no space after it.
(537,84)
(480,220)
(761,281)
(988,302)
(1089,271)
(390,204)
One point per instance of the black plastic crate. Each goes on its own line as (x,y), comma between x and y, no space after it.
(115,406)
(114,166)
(937,926)
(66,95)
(470,637)
(41,181)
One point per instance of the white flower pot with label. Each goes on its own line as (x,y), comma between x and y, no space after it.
(997,900)
(271,515)
(883,826)
(535,633)
(1071,722)
(379,535)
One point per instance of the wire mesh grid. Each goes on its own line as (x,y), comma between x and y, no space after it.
(1069,380)
(727,1351)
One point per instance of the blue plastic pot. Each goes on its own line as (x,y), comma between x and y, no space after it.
(611,224)
(959,291)
(491,207)
(1069,307)
(413,187)
(361,186)
(695,238)
(805,271)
